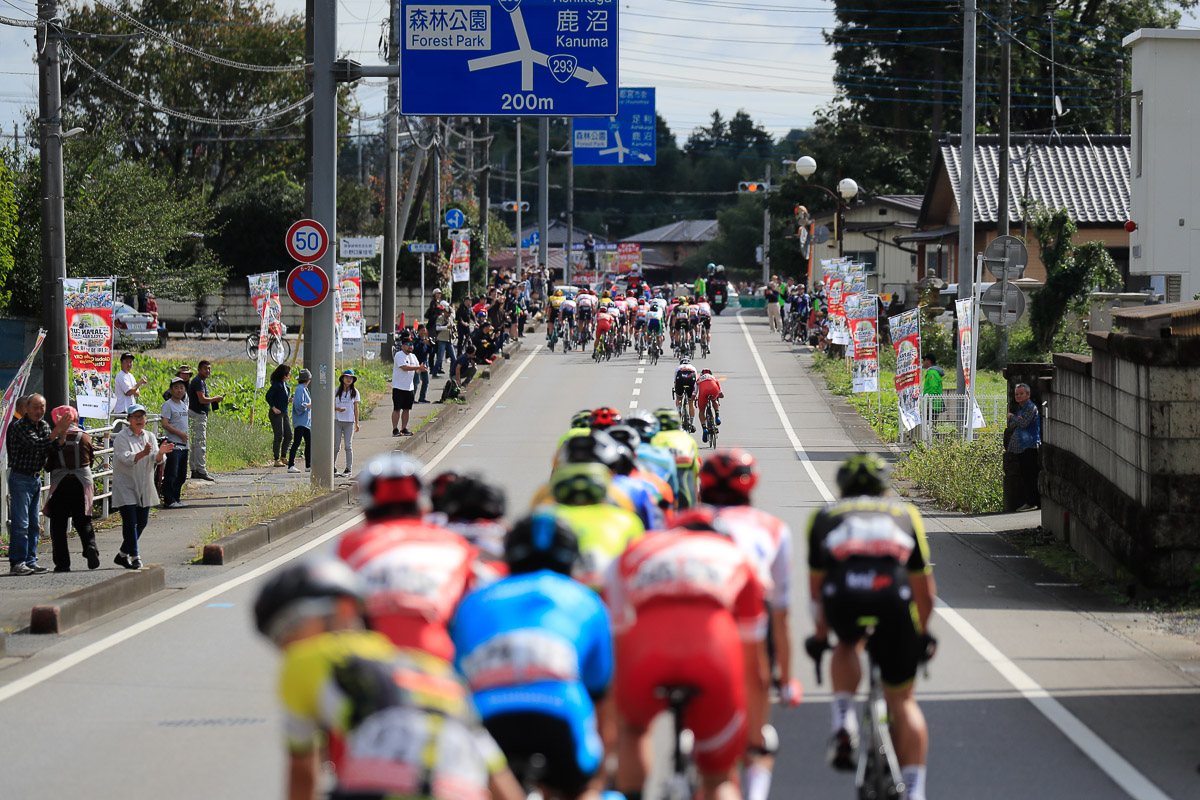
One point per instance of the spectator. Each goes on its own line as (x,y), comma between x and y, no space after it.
(19,407)
(200,405)
(142,297)
(184,372)
(464,315)
(151,305)
(933,382)
(405,367)
(1024,434)
(444,335)
(279,397)
(174,418)
(771,296)
(301,422)
(423,350)
(71,490)
(133,492)
(28,443)
(434,310)
(485,343)
(126,387)
(345,420)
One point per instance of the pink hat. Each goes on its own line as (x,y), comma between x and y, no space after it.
(59,411)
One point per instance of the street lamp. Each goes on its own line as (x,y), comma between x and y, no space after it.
(847,190)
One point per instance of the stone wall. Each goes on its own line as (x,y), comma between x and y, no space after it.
(1120,476)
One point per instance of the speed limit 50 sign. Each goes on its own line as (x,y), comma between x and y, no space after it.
(307,240)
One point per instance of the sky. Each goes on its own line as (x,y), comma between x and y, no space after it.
(764,56)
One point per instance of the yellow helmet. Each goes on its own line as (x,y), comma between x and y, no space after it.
(558,293)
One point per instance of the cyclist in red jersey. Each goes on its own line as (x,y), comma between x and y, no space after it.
(604,324)
(708,390)
(688,609)
(415,573)
(473,508)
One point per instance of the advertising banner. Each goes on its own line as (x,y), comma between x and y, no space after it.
(15,389)
(964,309)
(460,261)
(629,255)
(906,338)
(839,332)
(350,283)
(265,287)
(864,333)
(89,308)
(264,329)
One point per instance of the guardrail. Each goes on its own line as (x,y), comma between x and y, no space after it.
(945,415)
(101,473)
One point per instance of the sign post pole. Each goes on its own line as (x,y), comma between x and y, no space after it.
(422,284)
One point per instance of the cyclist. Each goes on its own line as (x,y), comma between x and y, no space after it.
(566,313)
(704,311)
(639,314)
(868,558)
(414,572)
(708,390)
(679,324)
(592,447)
(472,507)
(354,688)
(688,610)
(552,307)
(646,497)
(654,458)
(604,530)
(585,305)
(660,488)
(604,328)
(684,392)
(536,649)
(580,426)
(683,447)
(654,322)
(693,309)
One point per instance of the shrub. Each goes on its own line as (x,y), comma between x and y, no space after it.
(958,475)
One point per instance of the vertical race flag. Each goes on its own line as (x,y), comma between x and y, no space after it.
(906,337)
(337,309)
(629,254)
(89,309)
(350,282)
(264,293)
(264,335)
(16,389)
(864,333)
(460,261)
(964,309)
(838,331)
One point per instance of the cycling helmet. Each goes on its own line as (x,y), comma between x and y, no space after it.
(685,360)
(472,498)
(727,477)
(720,268)
(645,423)
(438,487)
(701,518)
(580,484)
(391,485)
(596,447)
(706,371)
(541,541)
(711,266)
(865,473)
(625,435)
(581,419)
(668,419)
(605,417)
(558,292)
(625,461)
(301,591)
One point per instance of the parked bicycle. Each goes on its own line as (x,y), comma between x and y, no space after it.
(204,325)
(279,349)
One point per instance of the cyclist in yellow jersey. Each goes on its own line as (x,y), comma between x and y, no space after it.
(343,685)
(603,530)
(672,437)
(591,446)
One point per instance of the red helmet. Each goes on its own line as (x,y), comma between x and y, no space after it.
(605,417)
(727,478)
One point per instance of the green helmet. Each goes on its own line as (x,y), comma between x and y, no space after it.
(580,484)
(581,419)
(669,419)
(863,474)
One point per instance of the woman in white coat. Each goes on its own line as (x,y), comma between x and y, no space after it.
(135,453)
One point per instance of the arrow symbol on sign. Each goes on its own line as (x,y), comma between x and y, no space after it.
(592,76)
(642,156)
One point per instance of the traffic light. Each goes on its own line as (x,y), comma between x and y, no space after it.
(754,187)
(511,205)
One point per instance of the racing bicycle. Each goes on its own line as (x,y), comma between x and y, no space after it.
(655,350)
(685,411)
(552,337)
(683,782)
(710,424)
(204,324)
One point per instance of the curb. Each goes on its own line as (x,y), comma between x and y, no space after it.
(84,605)
(3,649)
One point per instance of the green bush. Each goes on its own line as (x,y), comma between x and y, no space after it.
(958,475)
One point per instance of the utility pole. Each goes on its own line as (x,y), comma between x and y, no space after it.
(435,188)
(56,365)
(518,231)
(324,210)
(485,191)
(543,191)
(1005,136)
(966,211)
(570,245)
(766,261)
(391,242)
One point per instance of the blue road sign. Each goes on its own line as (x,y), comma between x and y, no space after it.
(627,139)
(508,58)
(422,247)
(455,218)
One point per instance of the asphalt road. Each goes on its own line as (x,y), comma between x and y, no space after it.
(1034,692)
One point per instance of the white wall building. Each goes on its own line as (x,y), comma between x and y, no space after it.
(1165,162)
(869,237)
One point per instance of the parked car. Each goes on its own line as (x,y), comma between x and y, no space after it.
(131,326)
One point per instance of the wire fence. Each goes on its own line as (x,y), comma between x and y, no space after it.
(945,416)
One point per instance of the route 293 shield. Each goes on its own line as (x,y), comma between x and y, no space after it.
(508,58)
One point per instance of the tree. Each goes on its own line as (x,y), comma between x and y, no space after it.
(252,223)
(1071,273)
(8,224)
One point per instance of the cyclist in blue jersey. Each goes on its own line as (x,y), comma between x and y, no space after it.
(536,650)
(658,460)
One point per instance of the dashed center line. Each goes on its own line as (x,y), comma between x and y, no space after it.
(636,392)
(632,404)
(641,370)
(637,381)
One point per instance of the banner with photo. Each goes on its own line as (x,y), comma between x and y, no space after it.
(263,288)
(629,255)
(15,389)
(906,338)
(460,261)
(964,309)
(337,315)
(89,309)
(839,331)
(264,336)
(350,284)
(864,333)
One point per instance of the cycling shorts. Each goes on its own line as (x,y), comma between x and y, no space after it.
(568,313)
(706,322)
(679,643)
(603,325)
(875,587)
(707,390)
(585,313)
(553,314)
(570,762)
(654,325)
(639,323)
(685,384)
(681,324)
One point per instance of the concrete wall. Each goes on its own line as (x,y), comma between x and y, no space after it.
(1120,472)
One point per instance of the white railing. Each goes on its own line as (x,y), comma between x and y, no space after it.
(101,472)
(945,416)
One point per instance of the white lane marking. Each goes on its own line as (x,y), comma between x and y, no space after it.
(1105,757)
(458,437)
(637,381)
(632,404)
(1059,585)
(96,648)
(797,446)
(642,370)
(636,392)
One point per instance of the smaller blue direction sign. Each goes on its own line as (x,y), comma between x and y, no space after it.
(455,218)
(627,139)
(422,247)
(308,285)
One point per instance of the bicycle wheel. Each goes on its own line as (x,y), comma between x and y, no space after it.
(710,422)
(252,346)
(192,328)
(221,329)
(278,349)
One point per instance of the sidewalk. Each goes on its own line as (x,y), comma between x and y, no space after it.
(173,538)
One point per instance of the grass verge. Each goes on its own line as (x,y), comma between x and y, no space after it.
(261,507)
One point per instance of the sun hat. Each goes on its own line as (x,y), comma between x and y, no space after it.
(178,379)
(350,372)
(305,375)
(134,409)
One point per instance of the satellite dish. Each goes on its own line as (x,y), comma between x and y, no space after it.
(1058,107)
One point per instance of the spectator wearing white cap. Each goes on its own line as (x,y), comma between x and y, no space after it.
(126,387)
(133,492)
(174,419)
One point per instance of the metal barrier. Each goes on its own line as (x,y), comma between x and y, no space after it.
(945,415)
(101,473)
